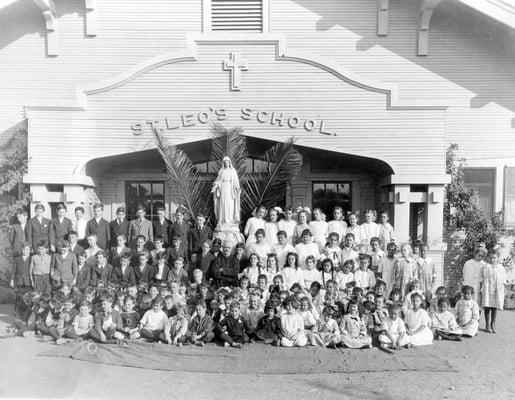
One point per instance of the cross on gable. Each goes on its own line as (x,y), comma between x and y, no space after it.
(235,65)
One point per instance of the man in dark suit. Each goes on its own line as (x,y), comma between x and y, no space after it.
(162,226)
(59,228)
(119,225)
(18,234)
(99,226)
(225,267)
(37,227)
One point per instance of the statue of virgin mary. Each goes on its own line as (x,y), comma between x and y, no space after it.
(226,196)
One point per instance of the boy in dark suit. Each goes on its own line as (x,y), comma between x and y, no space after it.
(21,273)
(83,271)
(99,226)
(180,228)
(123,273)
(199,234)
(102,271)
(143,269)
(161,227)
(75,247)
(59,228)
(201,326)
(37,228)
(119,225)
(18,234)
(64,266)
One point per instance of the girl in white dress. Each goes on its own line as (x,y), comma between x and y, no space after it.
(337,225)
(493,278)
(333,250)
(326,332)
(291,272)
(282,248)
(386,234)
(345,275)
(306,248)
(272,267)
(272,227)
(319,229)
(369,229)
(467,312)
(418,323)
(253,224)
(354,228)
(472,270)
(260,247)
(311,274)
(253,270)
(287,224)
(303,224)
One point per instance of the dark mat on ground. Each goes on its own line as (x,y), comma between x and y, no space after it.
(254,358)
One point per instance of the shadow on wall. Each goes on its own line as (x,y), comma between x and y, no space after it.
(466,48)
(24,17)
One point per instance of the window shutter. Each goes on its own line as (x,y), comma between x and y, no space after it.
(237,15)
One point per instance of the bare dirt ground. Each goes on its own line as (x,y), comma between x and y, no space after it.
(485,364)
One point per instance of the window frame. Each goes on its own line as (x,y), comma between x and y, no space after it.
(332,182)
(152,216)
(494,185)
(507,224)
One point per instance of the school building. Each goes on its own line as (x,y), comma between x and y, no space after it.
(373,91)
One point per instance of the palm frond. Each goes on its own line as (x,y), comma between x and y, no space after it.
(231,143)
(188,188)
(267,185)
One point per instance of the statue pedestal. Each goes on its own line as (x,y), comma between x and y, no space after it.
(230,233)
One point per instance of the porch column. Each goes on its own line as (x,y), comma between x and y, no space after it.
(433,223)
(401,212)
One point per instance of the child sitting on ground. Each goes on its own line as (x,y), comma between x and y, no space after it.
(232,328)
(178,327)
(200,330)
(154,325)
(269,326)
(307,314)
(467,312)
(108,323)
(444,323)
(292,325)
(394,334)
(252,315)
(377,319)
(82,323)
(326,332)
(353,329)
(418,322)
(130,318)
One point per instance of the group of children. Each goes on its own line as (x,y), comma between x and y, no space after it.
(290,284)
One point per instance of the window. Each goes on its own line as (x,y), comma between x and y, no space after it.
(482,179)
(509,196)
(327,195)
(237,15)
(150,195)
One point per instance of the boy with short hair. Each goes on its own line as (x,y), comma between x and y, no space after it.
(64,267)
(118,226)
(82,324)
(21,279)
(177,273)
(37,228)
(201,327)
(123,273)
(199,234)
(82,281)
(232,328)
(18,234)
(59,228)
(40,266)
(79,226)
(108,322)
(142,269)
(140,227)
(154,325)
(130,318)
(180,228)
(75,247)
(102,271)
(99,226)
(161,227)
